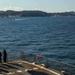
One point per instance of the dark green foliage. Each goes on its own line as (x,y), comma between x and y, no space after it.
(33,13)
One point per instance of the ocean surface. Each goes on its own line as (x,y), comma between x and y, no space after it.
(53,37)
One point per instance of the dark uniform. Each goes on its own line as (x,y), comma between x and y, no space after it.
(0,57)
(4,56)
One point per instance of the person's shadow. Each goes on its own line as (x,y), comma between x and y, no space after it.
(32,72)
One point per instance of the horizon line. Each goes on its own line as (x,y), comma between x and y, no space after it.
(37,10)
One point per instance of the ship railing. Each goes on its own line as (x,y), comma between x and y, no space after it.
(65,69)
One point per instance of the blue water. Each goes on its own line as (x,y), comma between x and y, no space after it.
(53,37)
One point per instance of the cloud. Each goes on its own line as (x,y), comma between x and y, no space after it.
(20,8)
(13,8)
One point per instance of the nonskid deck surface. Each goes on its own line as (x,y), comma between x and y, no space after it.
(24,68)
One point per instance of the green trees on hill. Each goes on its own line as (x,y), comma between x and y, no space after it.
(11,13)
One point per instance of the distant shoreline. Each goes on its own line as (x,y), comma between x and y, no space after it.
(33,13)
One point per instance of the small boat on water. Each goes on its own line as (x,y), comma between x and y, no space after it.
(31,64)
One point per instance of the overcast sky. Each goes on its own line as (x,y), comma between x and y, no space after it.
(44,5)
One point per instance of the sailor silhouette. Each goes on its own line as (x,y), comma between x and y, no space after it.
(4,56)
(0,57)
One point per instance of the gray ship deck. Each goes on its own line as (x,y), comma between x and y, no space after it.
(24,68)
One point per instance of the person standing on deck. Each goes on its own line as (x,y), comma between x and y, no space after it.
(0,57)
(4,56)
